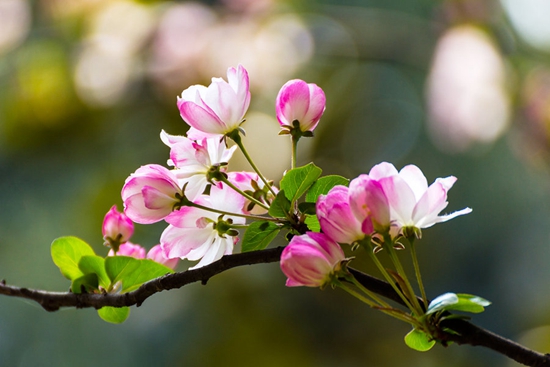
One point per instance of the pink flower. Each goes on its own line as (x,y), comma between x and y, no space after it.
(302,102)
(311,260)
(150,194)
(251,183)
(369,204)
(336,218)
(195,159)
(412,203)
(220,108)
(117,227)
(195,233)
(156,254)
(129,249)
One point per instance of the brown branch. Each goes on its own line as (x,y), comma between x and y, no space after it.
(468,333)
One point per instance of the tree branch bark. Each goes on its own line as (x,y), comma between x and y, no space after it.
(468,333)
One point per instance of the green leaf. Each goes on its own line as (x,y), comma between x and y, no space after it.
(66,254)
(87,282)
(441,302)
(419,340)
(312,223)
(280,206)
(132,273)
(298,180)
(96,265)
(323,185)
(259,235)
(119,268)
(458,302)
(114,315)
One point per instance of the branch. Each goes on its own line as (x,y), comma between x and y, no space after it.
(468,333)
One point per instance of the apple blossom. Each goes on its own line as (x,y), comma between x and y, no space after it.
(129,249)
(302,102)
(336,218)
(117,227)
(369,204)
(156,254)
(251,183)
(195,233)
(311,260)
(150,194)
(218,108)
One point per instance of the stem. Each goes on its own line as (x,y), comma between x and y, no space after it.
(234,135)
(417,272)
(294,151)
(230,184)
(248,216)
(371,294)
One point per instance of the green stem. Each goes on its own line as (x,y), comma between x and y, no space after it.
(248,216)
(417,272)
(255,201)
(372,295)
(294,151)
(236,137)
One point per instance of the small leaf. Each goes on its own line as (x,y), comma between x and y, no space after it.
(96,265)
(307,208)
(298,180)
(259,235)
(312,223)
(419,340)
(323,185)
(89,282)
(280,206)
(469,303)
(114,315)
(147,270)
(442,302)
(66,253)
(118,268)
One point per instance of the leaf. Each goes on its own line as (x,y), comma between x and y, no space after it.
(66,254)
(259,235)
(280,206)
(419,340)
(89,282)
(323,185)
(114,315)
(133,272)
(95,265)
(298,180)
(458,302)
(312,223)
(442,302)
(119,268)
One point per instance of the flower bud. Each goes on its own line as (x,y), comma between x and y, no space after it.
(301,102)
(156,254)
(129,249)
(117,227)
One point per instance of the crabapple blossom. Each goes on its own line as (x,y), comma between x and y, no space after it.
(311,260)
(195,160)
(337,219)
(117,227)
(150,194)
(220,107)
(129,249)
(156,254)
(251,183)
(302,102)
(411,201)
(195,233)
(369,204)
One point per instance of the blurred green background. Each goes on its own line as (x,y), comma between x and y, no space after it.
(456,87)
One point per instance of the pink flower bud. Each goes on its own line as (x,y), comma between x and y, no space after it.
(220,108)
(156,254)
(311,260)
(369,204)
(150,194)
(117,226)
(302,102)
(129,249)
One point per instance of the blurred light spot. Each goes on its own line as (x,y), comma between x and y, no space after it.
(467,101)
(530,19)
(15,23)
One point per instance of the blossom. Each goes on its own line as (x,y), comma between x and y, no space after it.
(195,233)
(220,107)
(150,194)
(369,204)
(156,254)
(337,219)
(302,102)
(311,260)
(117,227)
(129,249)
(412,202)
(194,160)
(251,183)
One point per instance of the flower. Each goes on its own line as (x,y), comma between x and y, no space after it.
(311,260)
(369,204)
(117,227)
(195,160)
(220,108)
(251,183)
(129,249)
(412,203)
(150,194)
(156,254)
(195,233)
(336,218)
(302,102)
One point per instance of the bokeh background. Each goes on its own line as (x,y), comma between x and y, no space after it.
(456,87)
